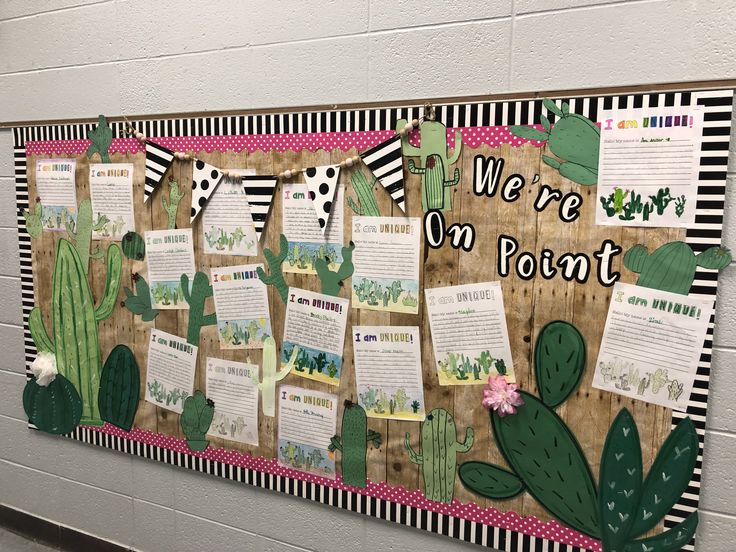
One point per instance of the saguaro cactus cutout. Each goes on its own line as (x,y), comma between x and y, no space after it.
(367,205)
(80,233)
(354,444)
(74,317)
(195,420)
(672,266)
(332,281)
(200,291)
(272,375)
(434,164)
(101,138)
(140,302)
(439,454)
(276,278)
(172,205)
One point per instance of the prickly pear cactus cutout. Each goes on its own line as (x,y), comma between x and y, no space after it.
(272,375)
(34,220)
(276,278)
(55,408)
(489,480)
(140,302)
(438,458)
(354,444)
(332,281)
(434,163)
(367,205)
(200,291)
(574,140)
(559,361)
(672,266)
(172,205)
(101,138)
(195,420)
(120,388)
(133,246)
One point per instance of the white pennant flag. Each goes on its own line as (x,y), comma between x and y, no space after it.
(322,184)
(205,179)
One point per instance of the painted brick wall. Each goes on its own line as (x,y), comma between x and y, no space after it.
(78,58)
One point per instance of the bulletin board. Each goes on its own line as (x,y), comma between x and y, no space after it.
(396,490)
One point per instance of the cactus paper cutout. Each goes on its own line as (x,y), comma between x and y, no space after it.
(630,507)
(559,361)
(195,420)
(172,205)
(672,266)
(34,220)
(101,138)
(200,291)
(276,278)
(434,164)
(367,205)
(332,281)
(55,408)
(74,318)
(80,234)
(354,444)
(574,140)
(272,375)
(439,454)
(133,246)
(140,302)
(490,481)
(120,388)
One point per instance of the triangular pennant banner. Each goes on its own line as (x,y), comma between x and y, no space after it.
(259,189)
(322,183)
(158,160)
(387,165)
(205,179)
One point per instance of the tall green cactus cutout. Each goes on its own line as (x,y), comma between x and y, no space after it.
(200,291)
(354,444)
(367,205)
(628,506)
(120,388)
(332,281)
(80,234)
(439,454)
(172,205)
(195,420)
(276,278)
(434,164)
(672,266)
(74,317)
(101,138)
(559,361)
(271,375)
(140,302)
(34,220)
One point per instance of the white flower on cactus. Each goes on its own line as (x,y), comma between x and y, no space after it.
(44,368)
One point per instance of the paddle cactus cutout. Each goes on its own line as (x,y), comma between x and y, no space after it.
(195,420)
(140,302)
(55,408)
(367,205)
(332,280)
(272,375)
(434,164)
(200,291)
(101,138)
(74,318)
(354,444)
(80,233)
(559,361)
(276,278)
(439,454)
(133,246)
(672,266)
(120,388)
(172,205)
(34,220)
(574,139)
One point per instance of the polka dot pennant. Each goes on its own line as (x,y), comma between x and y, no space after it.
(322,183)
(205,179)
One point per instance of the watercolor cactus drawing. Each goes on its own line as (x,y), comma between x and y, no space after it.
(459,369)
(313,363)
(332,279)
(364,191)
(196,419)
(574,140)
(434,163)
(438,458)
(306,458)
(243,334)
(303,256)
(158,392)
(672,266)
(276,278)
(394,403)
(616,205)
(119,388)
(272,374)
(353,444)
(101,138)
(171,206)
(381,294)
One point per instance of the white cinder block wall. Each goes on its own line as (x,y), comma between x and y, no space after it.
(77,58)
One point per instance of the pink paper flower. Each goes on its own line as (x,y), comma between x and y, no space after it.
(501,396)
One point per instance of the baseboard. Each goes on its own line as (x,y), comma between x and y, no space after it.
(53,534)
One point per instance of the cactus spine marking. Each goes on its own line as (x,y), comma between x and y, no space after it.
(172,205)
(272,375)
(120,388)
(101,138)
(55,408)
(195,420)
(74,316)
(201,290)
(354,444)
(434,165)
(332,281)
(367,205)
(439,454)
(276,278)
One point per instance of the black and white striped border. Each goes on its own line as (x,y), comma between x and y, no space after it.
(706,232)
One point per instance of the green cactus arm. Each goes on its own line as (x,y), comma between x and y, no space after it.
(70,229)
(714,258)
(414,169)
(545,123)
(276,278)
(288,367)
(112,282)
(458,148)
(489,480)
(585,176)
(414,458)
(635,258)
(530,133)
(559,361)
(671,540)
(185,288)
(551,161)
(467,444)
(96,254)
(374,438)
(165,203)
(454,181)
(40,336)
(357,210)
(406,148)
(552,106)
(335,444)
